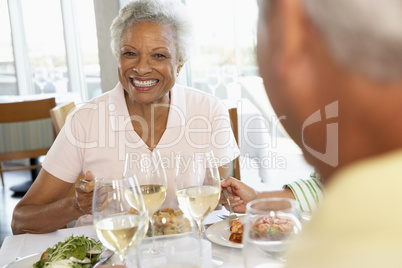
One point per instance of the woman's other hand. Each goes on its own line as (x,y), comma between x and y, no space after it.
(84,193)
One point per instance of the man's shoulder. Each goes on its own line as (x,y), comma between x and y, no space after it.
(378,169)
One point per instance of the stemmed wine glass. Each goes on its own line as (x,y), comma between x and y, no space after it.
(40,79)
(119,214)
(150,172)
(270,225)
(229,75)
(213,78)
(197,186)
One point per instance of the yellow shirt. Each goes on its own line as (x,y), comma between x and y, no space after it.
(359,224)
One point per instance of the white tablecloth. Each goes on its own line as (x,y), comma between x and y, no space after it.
(27,244)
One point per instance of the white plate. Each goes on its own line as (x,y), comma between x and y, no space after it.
(161,237)
(219,233)
(28,261)
(25,262)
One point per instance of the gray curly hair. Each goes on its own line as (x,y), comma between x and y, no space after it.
(363,36)
(162,12)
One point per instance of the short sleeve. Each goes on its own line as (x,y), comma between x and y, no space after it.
(308,193)
(64,159)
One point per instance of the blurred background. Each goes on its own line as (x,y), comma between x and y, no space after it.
(62,47)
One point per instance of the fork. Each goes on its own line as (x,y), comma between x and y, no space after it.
(232,215)
(104,257)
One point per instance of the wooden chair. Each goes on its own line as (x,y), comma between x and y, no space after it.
(234,123)
(26,131)
(59,114)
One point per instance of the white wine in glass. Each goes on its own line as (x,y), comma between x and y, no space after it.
(119,225)
(150,172)
(197,186)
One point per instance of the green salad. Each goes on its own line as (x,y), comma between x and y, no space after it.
(74,251)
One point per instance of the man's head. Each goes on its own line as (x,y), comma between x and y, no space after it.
(326,65)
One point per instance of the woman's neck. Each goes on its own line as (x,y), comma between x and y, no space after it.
(149,120)
(148,111)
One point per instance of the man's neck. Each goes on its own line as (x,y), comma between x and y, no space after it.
(369,123)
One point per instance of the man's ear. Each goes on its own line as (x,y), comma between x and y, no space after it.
(293,32)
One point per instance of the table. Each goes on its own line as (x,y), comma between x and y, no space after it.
(27,244)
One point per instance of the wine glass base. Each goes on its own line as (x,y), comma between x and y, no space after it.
(152,248)
(277,256)
(217,262)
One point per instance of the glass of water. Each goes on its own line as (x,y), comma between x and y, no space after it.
(270,226)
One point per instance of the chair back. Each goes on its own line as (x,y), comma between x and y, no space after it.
(26,131)
(11,112)
(235,128)
(59,115)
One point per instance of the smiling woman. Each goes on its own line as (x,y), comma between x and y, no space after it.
(148,64)
(146,111)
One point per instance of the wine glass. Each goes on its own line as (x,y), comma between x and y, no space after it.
(197,186)
(213,78)
(40,78)
(119,214)
(270,225)
(149,170)
(229,75)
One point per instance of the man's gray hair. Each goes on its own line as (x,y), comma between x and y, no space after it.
(364,36)
(161,12)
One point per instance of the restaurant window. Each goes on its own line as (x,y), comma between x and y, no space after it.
(55,49)
(85,16)
(45,42)
(8,80)
(225,40)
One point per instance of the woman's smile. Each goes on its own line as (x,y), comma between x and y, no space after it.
(143,84)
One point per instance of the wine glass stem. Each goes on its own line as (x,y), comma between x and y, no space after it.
(153,249)
(200,226)
(122,258)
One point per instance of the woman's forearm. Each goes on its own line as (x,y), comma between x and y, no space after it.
(44,218)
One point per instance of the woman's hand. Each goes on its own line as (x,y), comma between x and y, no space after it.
(84,193)
(239,194)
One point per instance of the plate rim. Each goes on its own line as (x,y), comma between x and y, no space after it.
(221,242)
(19,259)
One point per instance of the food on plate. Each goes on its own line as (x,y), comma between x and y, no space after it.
(236,229)
(270,228)
(169,221)
(74,251)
